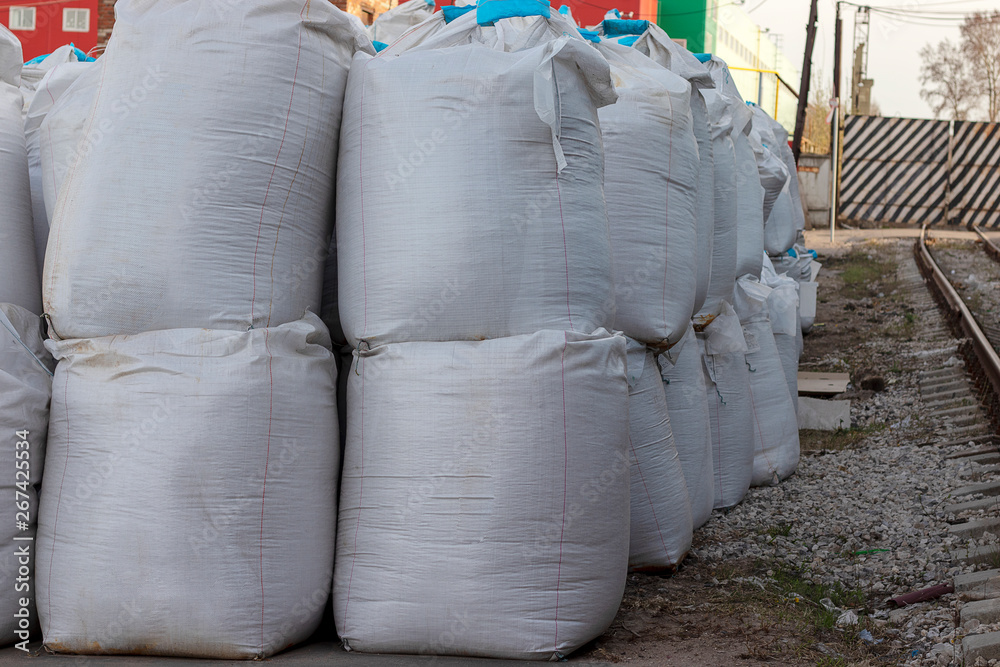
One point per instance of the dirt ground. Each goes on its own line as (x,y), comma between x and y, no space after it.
(708,615)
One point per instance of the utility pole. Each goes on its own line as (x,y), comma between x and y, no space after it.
(835,111)
(837,37)
(800,116)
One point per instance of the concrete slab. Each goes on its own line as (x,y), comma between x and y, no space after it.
(317,653)
(985,611)
(974,580)
(985,488)
(823,383)
(988,553)
(821,415)
(982,504)
(971,529)
(985,646)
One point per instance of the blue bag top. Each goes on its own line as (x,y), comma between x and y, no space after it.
(590,35)
(614,27)
(379,45)
(628,40)
(452,12)
(703,57)
(491,11)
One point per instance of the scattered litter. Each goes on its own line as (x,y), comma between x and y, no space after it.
(865,635)
(865,552)
(847,618)
(923,594)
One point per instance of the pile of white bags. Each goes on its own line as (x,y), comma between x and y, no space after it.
(195,506)
(661,529)
(485,492)
(25,387)
(33,73)
(730,409)
(19,272)
(238,144)
(53,85)
(651,202)
(435,243)
(783,311)
(685,383)
(779,217)
(775,426)
(484,496)
(391,25)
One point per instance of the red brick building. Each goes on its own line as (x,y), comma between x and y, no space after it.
(44,25)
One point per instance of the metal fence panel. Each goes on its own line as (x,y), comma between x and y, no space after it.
(974,176)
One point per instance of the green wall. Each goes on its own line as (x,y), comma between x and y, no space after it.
(686,19)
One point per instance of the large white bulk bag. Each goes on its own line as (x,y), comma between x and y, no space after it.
(33,72)
(482,215)
(685,383)
(650,183)
(650,40)
(728,393)
(208,205)
(775,426)
(749,190)
(19,273)
(390,25)
(55,82)
(788,157)
(62,129)
(722,275)
(194,502)
(485,496)
(779,218)
(783,312)
(661,531)
(25,387)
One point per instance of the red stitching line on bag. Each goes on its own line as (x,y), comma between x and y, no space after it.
(361,493)
(274,168)
(562,530)
(263,492)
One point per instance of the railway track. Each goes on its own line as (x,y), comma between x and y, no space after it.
(975,340)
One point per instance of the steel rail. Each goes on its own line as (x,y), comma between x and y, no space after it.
(991,248)
(981,358)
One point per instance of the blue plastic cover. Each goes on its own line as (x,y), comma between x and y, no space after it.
(791,251)
(80,56)
(590,35)
(379,45)
(452,12)
(703,57)
(564,10)
(813,253)
(617,13)
(628,40)
(491,11)
(614,27)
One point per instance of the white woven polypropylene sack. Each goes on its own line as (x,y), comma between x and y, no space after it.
(728,394)
(685,384)
(25,386)
(192,507)
(390,25)
(775,426)
(783,312)
(32,75)
(485,496)
(61,130)
(722,274)
(652,41)
(435,243)
(779,216)
(208,202)
(56,81)
(651,202)
(19,273)
(661,531)
(788,157)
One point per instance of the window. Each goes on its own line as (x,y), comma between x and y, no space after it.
(22,18)
(76,20)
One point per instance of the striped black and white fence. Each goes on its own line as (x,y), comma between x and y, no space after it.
(974,176)
(894,170)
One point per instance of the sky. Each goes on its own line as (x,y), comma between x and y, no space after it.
(893,62)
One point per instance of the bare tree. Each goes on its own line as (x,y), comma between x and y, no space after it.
(816,135)
(981,44)
(946,79)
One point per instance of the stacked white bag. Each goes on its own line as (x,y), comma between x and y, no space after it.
(53,85)
(18,265)
(240,160)
(684,377)
(654,242)
(780,223)
(391,25)
(783,311)
(485,492)
(61,130)
(25,387)
(197,457)
(32,73)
